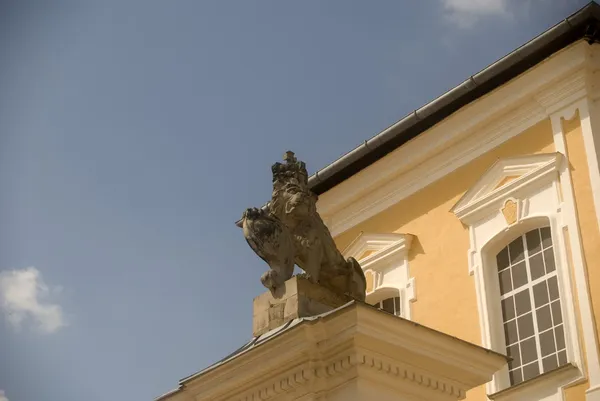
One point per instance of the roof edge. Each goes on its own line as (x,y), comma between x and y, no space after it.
(583,24)
(573,28)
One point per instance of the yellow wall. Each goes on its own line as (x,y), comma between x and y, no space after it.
(586,215)
(446,298)
(438,256)
(588,224)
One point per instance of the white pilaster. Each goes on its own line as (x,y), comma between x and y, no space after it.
(590,128)
(579,266)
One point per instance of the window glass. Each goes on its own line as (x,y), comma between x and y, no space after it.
(530,303)
(390,305)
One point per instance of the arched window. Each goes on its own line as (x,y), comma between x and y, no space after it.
(530,302)
(390,305)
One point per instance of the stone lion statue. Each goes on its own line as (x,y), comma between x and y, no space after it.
(289,231)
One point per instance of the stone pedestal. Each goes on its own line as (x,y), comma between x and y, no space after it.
(352,353)
(298,298)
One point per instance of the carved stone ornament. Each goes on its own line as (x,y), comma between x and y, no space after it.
(510,211)
(289,231)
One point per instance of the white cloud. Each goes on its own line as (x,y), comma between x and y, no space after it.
(3,396)
(22,296)
(465,13)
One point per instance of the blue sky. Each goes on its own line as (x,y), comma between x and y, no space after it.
(134,133)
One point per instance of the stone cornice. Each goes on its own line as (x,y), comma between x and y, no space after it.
(357,341)
(462,137)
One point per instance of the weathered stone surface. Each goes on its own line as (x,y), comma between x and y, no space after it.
(297,297)
(289,231)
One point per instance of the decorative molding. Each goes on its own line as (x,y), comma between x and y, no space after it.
(569,223)
(564,92)
(459,139)
(356,344)
(386,267)
(510,211)
(453,157)
(590,128)
(486,195)
(342,365)
(534,198)
(286,383)
(409,373)
(383,247)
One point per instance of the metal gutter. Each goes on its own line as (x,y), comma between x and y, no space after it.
(583,24)
(580,25)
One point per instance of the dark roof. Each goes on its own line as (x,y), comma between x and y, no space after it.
(584,24)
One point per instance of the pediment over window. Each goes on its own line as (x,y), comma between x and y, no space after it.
(384,259)
(506,179)
(369,248)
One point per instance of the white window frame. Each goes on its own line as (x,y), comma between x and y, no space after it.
(536,225)
(386,266)
(535,189)
(396,312)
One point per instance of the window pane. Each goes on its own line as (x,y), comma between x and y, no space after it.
(525,326)
(556,312)
(562,358)
(388,305)
(522,302)
(553,288)
(534,243)
(547,345)
(544,319)
(502,259)
(532,317)
(528,351)
(550,362)
(530,371)
(513,352)
(519,275)
(549,258)
(540,294)
(515,377)
(397,306)
(546,238)
(536,265)
(510,330)
(516,250)
(508,309)
(505,282)
(560,337)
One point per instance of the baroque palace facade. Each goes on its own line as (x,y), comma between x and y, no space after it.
(478,215)
(480,218)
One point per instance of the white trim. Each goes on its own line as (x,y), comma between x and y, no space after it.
(553,89)
(537,193)
(589,117)
(579,267)
(376,242)
(355,353)
(485,195)
(388,264)
(431,170)
(457,140)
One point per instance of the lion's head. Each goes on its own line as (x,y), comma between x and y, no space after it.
(292,201)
